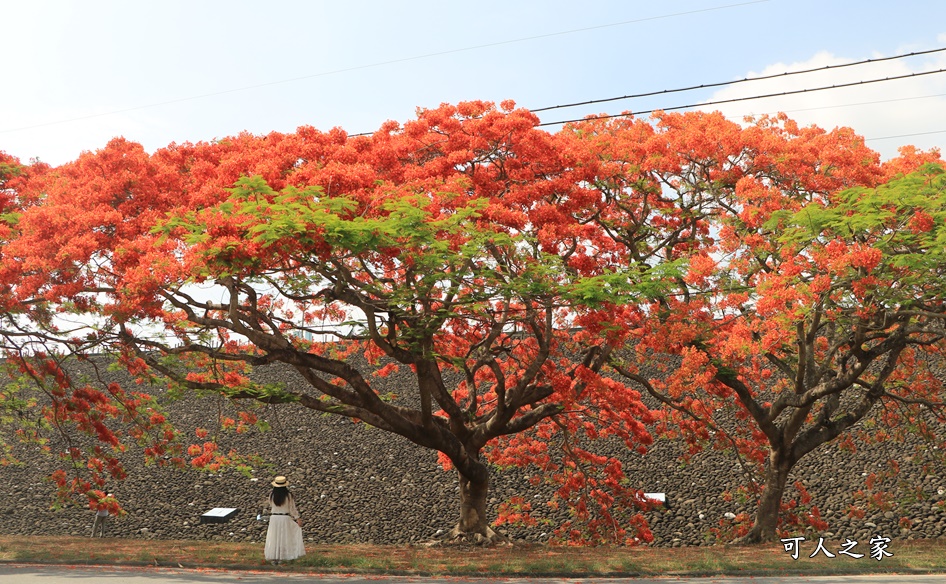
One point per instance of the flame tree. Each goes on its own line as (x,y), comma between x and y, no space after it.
(469,244)
(460,243)
(818,300)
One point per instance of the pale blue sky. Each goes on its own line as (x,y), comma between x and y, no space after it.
(79,73)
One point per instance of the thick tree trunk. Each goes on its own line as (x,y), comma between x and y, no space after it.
(473,526)
(473,506)
(766,518)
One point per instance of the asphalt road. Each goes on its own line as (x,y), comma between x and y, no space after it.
(36,574)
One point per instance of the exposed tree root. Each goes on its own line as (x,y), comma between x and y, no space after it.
(456,537)
(752,538)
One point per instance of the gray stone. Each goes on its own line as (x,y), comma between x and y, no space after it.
(413,498)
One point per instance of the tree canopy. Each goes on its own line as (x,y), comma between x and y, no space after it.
(781,271)
(819,302)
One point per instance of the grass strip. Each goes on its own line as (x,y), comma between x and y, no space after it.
(926,556)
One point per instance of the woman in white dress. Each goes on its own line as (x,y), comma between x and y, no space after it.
(284,537)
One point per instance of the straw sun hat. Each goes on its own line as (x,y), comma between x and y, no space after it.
(280,481)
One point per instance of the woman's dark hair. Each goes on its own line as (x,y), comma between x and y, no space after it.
(279,496)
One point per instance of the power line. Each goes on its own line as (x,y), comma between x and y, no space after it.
(737,81)
(388,62)
(874,102)
(907,135)
(724,83)
(738,99)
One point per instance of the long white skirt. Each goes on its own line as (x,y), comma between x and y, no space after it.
(283,539)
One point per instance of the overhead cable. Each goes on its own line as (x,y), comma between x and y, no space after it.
(725,83)
(382,63)
(859,103)
(736,81)
(906,135)
(737,99)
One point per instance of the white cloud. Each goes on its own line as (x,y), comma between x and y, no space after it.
(888,113)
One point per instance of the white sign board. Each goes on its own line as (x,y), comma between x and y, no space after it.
(218,515)
(656,497)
